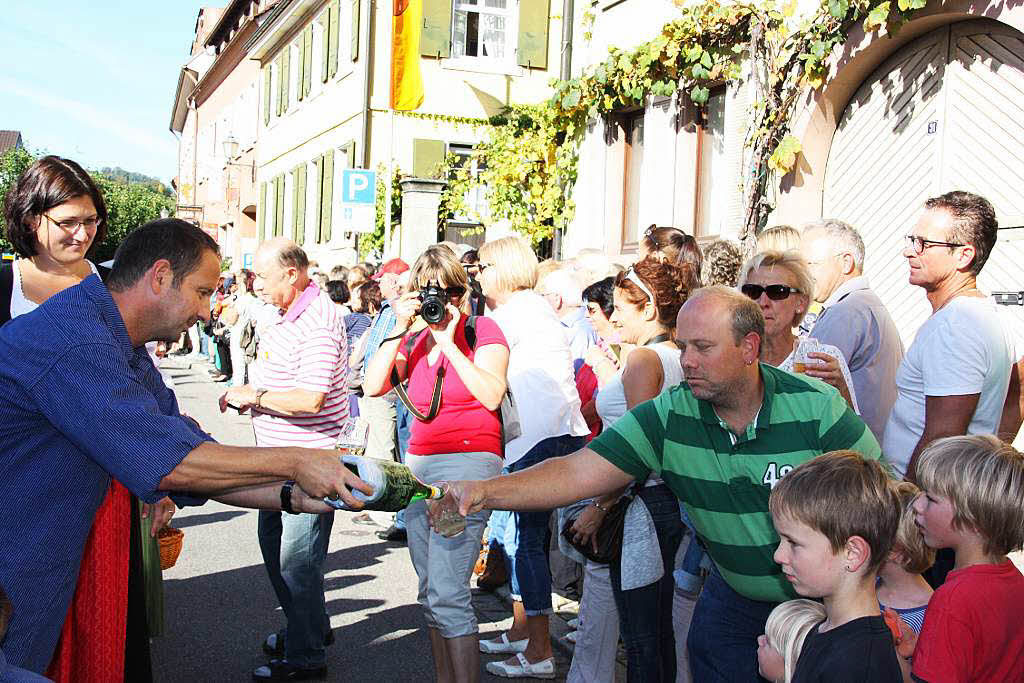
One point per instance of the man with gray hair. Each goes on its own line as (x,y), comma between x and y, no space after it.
(853,318)
(721,440)
(563,293)
(298,397)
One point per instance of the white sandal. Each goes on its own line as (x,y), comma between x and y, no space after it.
(502,645)
(522,668)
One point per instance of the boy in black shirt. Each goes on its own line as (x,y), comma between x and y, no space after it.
(837,517)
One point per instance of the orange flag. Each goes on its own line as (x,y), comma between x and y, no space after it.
(406,81)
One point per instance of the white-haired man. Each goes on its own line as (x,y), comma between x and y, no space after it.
(563,293)
(853,318)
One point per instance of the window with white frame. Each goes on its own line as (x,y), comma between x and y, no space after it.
(476,196)
(712,191)
(484,29)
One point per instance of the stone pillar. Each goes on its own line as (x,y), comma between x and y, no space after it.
(421,198)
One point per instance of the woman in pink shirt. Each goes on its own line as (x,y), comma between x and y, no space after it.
(459,439)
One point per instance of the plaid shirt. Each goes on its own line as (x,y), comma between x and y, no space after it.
(381,327)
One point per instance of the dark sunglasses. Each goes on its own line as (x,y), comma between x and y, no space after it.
(453,292)
(774,292)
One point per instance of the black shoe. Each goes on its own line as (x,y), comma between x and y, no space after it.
(393,533)
(273,645)
(282,670)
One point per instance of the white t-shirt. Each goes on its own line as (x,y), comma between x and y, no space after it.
(540,373)
(962,349)
(20,304)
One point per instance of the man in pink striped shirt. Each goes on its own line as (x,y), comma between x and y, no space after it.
(298,397)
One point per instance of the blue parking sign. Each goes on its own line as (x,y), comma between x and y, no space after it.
(358,186)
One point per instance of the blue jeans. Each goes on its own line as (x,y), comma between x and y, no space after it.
(403,428)
(294,548)
(525,536)
(645,614)
(723,633)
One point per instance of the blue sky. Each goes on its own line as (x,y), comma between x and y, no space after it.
(94,81)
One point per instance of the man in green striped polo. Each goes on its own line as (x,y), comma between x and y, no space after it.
(720,440)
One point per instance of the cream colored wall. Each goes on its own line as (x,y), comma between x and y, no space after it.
(668,183)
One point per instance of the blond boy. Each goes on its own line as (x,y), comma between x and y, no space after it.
(973,503)
(836,516)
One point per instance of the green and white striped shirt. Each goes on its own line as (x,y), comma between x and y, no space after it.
(724,479)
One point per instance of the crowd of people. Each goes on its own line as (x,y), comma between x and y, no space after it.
(756,479)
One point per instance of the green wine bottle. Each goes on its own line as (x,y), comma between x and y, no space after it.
(394,485)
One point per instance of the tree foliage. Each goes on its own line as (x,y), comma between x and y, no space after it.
(531,152)
(129,205)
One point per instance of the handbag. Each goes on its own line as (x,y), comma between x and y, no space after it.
(608,535)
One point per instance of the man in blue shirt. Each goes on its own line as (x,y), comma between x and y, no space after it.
(80,401)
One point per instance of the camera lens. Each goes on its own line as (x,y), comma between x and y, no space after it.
(432,305)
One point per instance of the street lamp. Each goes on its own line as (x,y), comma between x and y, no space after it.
(231,151)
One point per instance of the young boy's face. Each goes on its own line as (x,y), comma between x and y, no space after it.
(933,515)
(807,559)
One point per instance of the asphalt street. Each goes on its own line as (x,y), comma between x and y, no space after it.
(219,604)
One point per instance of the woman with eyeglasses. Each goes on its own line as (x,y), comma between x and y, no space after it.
(781,283)
(647,298)
(458,437)
(54,216)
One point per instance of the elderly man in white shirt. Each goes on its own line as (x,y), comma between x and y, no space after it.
(853,318)
(564,294)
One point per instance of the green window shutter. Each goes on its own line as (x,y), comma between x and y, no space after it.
(332,43)
(261,212)
(355,31)
(327,197)
(436,37)
(295,205)
(533,33)
(427,157)
(266,95)
(300,47)
(279,208)
(318,189)
(307,59)
(325,22)
(287,78)
(279,62)
(301,210)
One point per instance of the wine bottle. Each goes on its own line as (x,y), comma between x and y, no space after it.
(394,485)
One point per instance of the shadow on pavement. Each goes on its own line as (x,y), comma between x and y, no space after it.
(196,520)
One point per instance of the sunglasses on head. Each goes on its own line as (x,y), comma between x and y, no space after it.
(774,292)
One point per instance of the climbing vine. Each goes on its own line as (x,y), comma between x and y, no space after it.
(531,152)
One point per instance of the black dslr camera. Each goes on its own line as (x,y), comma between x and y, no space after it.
(433,300)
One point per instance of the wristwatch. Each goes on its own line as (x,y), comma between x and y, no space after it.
(286,497)
(259,397)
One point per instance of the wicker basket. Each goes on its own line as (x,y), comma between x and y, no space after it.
(170,546)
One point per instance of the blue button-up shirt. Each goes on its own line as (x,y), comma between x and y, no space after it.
(381,327)
(77,404)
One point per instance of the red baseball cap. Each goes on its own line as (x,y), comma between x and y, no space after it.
(395,265)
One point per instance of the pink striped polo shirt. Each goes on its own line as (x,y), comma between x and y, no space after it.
(305,349)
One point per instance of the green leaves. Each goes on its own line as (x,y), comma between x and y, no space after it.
(877,17)
(700,95)
(783,158)
(838,8)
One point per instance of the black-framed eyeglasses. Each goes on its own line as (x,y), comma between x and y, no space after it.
(774,292)
(455,292)
(920,244)
(71,224)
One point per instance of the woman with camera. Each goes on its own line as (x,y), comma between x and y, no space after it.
(455,368)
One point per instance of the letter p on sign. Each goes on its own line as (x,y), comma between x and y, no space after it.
(359,186)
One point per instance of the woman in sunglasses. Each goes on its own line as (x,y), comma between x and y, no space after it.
(781,284)
(458,437)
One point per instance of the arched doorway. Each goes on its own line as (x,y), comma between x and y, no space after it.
(945,112)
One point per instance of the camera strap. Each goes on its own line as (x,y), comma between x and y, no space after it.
(435,399)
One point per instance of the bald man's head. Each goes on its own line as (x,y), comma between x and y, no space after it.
(281,268)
